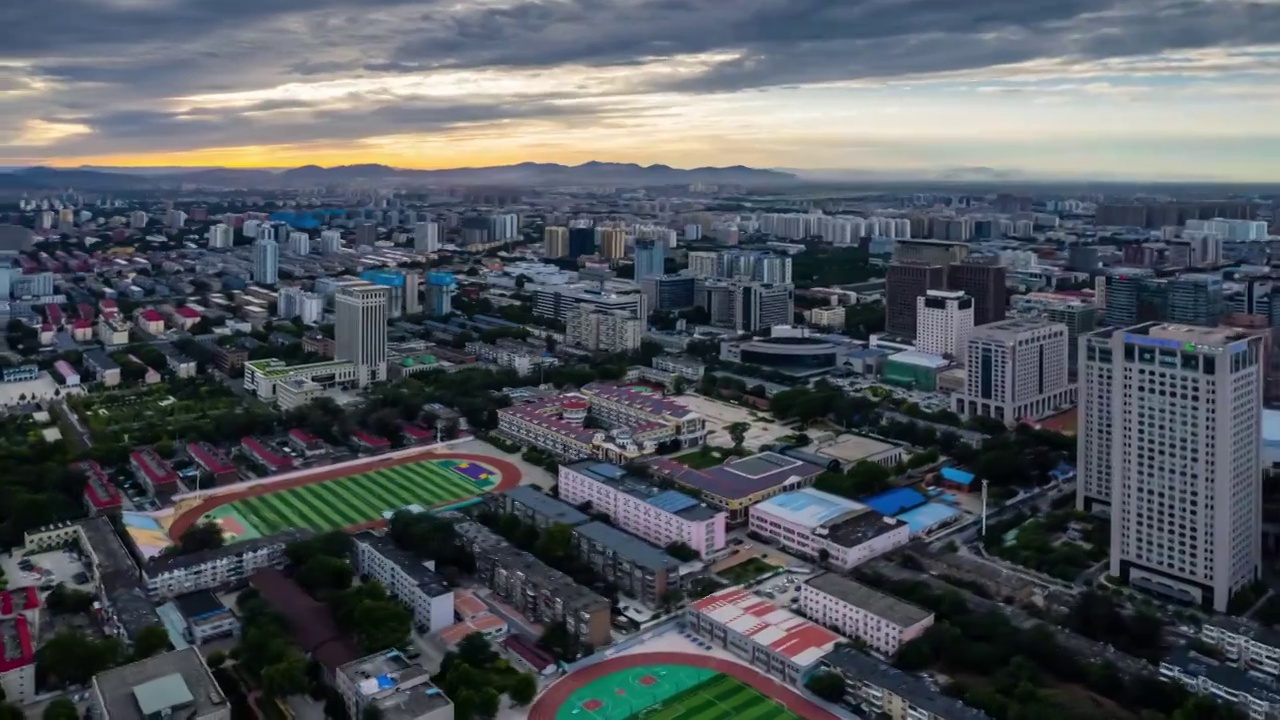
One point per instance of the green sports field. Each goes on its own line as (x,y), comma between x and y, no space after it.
(357,499)
(670,692)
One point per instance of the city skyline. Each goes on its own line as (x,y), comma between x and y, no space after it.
(1162,89)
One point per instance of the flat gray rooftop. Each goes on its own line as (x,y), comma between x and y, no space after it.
(135,690)
(898,612)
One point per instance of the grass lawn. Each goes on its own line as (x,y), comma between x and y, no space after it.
(747,571)
(720,698)
(341,503)
(706,456)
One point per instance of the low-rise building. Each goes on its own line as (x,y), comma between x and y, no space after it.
(533,506)
(100,494)
(637,568)
(1253,693)
(266,458)
(737,484)
(659,516)
(113,331)
(104,369)
(880,620)
(310,621)
(1244,643)
(540,593)
(306,443)
(773,640)
(178,362)
(879,688)
(825,527)
(17,660)
(407,577)
(263,377)
(388,685)
(169,575)
(154,472)
(207,618)
(213,464)
(624,406)
(175,684)
(368,442)
(150,322)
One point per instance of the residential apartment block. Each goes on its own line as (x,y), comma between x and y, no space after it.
(881,621)
(822,526)
(1244,643)
(406,577)
(167,576)
(533,506)
(637,568)
(1253,694)
(641,508)
(540,593)
(881,690)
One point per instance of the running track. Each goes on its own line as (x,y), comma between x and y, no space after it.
(510,478)
(546,707)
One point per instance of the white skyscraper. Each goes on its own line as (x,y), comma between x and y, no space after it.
(295,302)
(221,236)
(426,237)
(1185,465)
(360,330)
(299,243)
(331,242)
(944,319)
(266,261)
(251,228)
(1016,369)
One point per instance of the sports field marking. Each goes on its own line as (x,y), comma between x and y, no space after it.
(670,692)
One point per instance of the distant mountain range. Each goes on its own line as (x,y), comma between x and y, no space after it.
(524,174)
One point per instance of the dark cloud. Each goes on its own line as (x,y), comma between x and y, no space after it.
(115,61)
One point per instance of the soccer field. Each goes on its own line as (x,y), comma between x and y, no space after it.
(671,692)
(358,499)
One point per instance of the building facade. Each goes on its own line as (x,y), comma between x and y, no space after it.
(881,621)
(405,577)
(944,319)
(360,333)
(904,283)
(1016,369)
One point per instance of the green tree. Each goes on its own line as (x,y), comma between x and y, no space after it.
(475,651)
(202,536)
(323,573)
(738,433)
(827,685)
(523,689)
(151,640)
(9,711)
(287,677)
(216,659)
(60,709)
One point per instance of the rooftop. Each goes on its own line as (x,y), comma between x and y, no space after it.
(16,646)
(158,471)
(173,680)
(543,413)
(892,502)
(671,501)
(1007,329)
(628,547)
(412,565)
(199,604)
(854,531)
(1254,684)
(313,626)
(491,545)
(652,404)
(920,359)
(369,439)
(861,667)
(888,607)
(739,477)
(556,511)
(171,562)
(272,368)
(266,455)
(1254,631)
(19,600)
(396,686)
(782,631)
(810,508)
(1190,335)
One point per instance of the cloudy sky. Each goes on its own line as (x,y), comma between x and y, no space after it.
(1112,88)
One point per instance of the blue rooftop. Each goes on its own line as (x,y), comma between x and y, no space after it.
(672,501)
(894,501)
(957,476)
(613,472)
(808,507)
(927,516)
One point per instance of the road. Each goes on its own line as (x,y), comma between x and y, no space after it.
(81,435)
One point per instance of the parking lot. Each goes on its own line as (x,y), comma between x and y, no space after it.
(46,569)
(763,428)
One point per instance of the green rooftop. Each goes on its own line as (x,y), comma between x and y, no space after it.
(163,693)
(274,368)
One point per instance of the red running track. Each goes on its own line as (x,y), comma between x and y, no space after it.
(546,707)
(510,478)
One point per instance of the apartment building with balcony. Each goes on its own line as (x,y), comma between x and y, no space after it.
(1254,694)
(633,504)
(406,577)
(637,568)
(541,593)
(167,576)
(878,689)
(880,620)
(1244,643)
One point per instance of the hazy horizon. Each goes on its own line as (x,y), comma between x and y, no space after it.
(1158,89)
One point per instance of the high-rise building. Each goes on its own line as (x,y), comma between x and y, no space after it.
(582,241)
(402,287)
(299,243)
(366,234)
(440,287)
(704,263)
(944,319)
(692,232)
(930,252)
(331,242)
(137,219)
(765,267)
(1137,296)
(360,330)
(983,279)
(1182,428)
(426,237)
(1016,369)
(504,227)
(266,262)
(613,243)
(650,258)
(1195,299)
(904,282)
(669,293)
(764,305)
(220,237)
(295,302)
(603,330)
(555,241)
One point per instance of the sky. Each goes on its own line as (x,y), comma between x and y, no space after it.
(1150,89)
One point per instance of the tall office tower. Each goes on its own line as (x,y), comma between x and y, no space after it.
(1130,294)
(981,278)
(1095,436)
(251,227)
(299,243)
(221,237)
(1080,318)
(760,306)
(266,262)
(932,252)
(944,319)
(331,242)
(1185,461)
(412,292)
(172,218)
(266,232)
(426,237)
(1195,299)
(594,329)
(366,234)
(613,243)
(704,264)
(582,241)
(503,227)
(555,241)
(1016,369)
(692,232)
(651,257)
(440,287)
(904,282)
(360,331)
(137,219)
(295,302)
